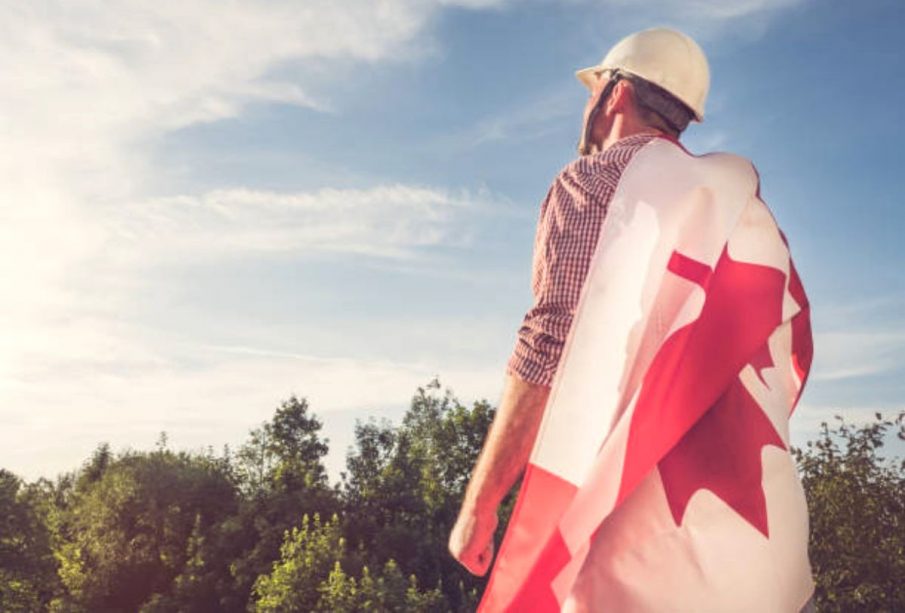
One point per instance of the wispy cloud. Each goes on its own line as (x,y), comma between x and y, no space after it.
(201,396)
(719,10)
(808,417)
(85,91)
(857,312)
(705,139)
(706,16)
(705,19)
(86,88)
(860,338)
(521,123)
(391,221)
(847,355)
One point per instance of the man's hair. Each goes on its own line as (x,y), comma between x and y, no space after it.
(657,107)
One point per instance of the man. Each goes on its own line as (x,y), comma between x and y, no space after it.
(676,341)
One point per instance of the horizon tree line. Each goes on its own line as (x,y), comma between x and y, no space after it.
(262,529)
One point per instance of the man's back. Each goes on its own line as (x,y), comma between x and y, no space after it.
(665,437)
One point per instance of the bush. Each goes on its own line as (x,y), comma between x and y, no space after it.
(857,511)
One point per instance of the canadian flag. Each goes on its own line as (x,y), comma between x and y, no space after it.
(661,478)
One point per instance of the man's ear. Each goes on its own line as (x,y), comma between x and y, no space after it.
(620,98)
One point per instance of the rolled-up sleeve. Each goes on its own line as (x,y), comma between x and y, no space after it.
(567,232)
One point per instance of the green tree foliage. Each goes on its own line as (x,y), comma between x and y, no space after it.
(310,577)
(279,477)
(857,513)
(162,531)
(307,555)
(388,591)
(123,532)
(285,453)
(27,569)
(404,484)
(282,477)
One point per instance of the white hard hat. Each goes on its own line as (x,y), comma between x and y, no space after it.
(664,57)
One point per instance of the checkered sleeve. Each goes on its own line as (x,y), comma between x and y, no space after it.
(567,231)
(570,221)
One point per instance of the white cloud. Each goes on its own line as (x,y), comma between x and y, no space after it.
(706,139)
(524,122)
(808,418)
(704,19)
(387,221)
(701,13)
(200,395)
(860,338)
(845,355)
(856,312)
(85,89)
(719,10)
(732,9)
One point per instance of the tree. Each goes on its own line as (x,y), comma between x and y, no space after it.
(388,591)
(307,555)
(857,516)
(285,452)
(310,577)
(123,534)
(27,568)
(404,484)
(283,478)
(162,531)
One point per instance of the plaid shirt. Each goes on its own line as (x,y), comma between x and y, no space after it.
(570,221)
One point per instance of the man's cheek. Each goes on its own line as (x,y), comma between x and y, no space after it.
(589,108)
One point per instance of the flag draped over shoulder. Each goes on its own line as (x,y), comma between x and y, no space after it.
(661,477)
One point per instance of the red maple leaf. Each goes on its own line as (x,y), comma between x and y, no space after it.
(761,360)
(693,418)
(721,453)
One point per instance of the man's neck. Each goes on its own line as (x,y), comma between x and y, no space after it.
(623,127)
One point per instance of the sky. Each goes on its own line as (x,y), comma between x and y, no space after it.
(208,206)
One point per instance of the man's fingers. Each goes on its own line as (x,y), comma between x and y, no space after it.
(471,543)
(479,564)
(484,560)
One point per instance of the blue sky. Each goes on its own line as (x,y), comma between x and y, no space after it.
(207,208)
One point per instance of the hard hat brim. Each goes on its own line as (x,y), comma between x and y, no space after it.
(588,76)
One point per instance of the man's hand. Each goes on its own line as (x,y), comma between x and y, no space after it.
(502,460)
(471,540)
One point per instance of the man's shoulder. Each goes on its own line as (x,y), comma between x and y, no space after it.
(584,181)
(716,165)
(590,172)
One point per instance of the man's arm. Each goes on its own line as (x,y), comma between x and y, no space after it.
(502,460)
(567,232)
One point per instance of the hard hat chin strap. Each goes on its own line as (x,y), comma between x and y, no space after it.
(585,144)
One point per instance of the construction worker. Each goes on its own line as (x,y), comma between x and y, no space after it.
(646,90)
